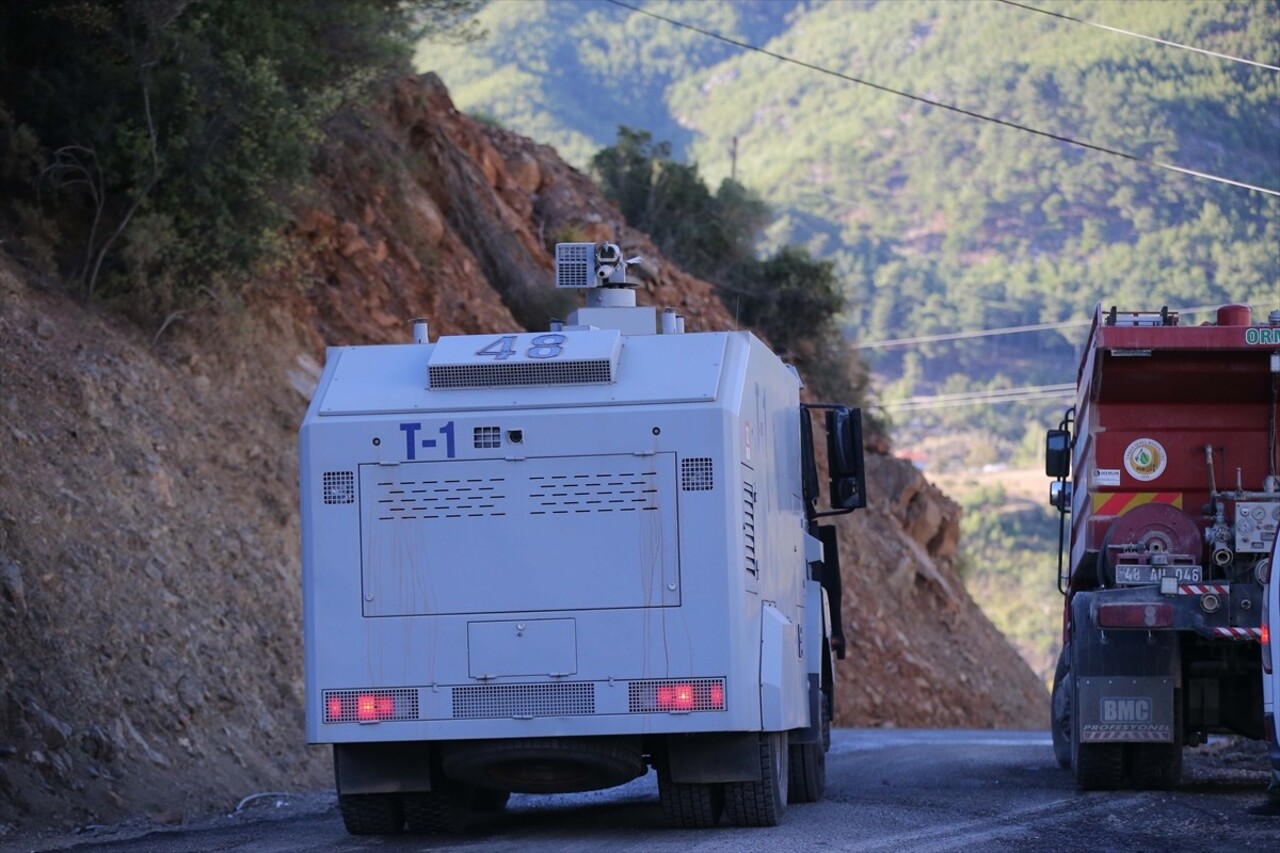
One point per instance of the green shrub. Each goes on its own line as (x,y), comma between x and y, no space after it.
(175,131)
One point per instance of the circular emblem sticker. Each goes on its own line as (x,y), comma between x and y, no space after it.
(1145,459)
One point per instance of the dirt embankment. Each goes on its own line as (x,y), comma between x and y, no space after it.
(150,625)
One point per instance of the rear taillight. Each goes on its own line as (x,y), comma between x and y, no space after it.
(676,696)
(1272,578)
(1135,615)
(1266,644)
(370,706)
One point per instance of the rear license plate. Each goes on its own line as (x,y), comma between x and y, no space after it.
(1154,574)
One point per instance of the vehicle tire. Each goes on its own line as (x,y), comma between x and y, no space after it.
(1061,718)
(1158,766)
(371,814)
(445,810)
(1098,766)
(488,800)
(690,805)
(808,765)
(761,803)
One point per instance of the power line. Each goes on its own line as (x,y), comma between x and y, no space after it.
(976,333)
(975,398)
(1003,330)
(1165,42)
(971,114)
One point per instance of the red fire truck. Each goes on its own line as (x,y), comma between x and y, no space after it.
(1167,467)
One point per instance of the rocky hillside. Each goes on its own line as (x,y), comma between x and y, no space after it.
(150,626)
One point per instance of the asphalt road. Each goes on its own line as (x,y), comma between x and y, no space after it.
(887,790)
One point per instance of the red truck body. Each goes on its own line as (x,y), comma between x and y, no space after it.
(1174,504)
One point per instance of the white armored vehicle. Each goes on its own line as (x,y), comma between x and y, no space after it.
(544,562)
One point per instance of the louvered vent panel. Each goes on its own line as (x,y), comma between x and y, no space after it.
(696,474)
(499,374)
(749,526)
(484,701)
(339,487)
(410,499)
(566,494)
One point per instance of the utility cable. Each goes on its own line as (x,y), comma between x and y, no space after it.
(979,398)
(957,336)
(971,114)
(1003,330)
(1165,42)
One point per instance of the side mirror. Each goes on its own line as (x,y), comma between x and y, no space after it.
(844,458)
(1057,453)
(1060,495)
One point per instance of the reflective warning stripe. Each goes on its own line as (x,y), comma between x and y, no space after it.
(1204,589)
(1238,633)
(1165,734)
(1118,503)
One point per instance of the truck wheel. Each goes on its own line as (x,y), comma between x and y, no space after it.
(1060,709)
(690,805)
(1098,766)
(438,811)
(761,803)
(808,766)
(1158,766)
(371,814)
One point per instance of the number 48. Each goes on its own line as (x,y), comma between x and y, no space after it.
(543,346)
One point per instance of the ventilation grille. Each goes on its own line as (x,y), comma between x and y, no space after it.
(339,487)
(749,526)
(370,706)
(696,475)
(487,437)
(587,372)
(523,700)
(431,499)
(564,494)
(575,264)
(675,694)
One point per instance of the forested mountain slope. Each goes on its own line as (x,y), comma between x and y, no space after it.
(938,221)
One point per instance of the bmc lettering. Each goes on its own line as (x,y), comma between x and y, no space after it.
(1126,710)
(1254,336)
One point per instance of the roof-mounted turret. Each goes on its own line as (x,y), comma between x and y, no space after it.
(601,270)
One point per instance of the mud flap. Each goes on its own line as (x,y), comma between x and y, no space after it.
(1130,710)
(1125,680)
(381,768)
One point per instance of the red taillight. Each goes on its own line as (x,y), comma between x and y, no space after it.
(689,696)
(1272,577)
(375,706)
(1265,638)
(677,697)
(370,706)
(682,696)
(1135,615)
